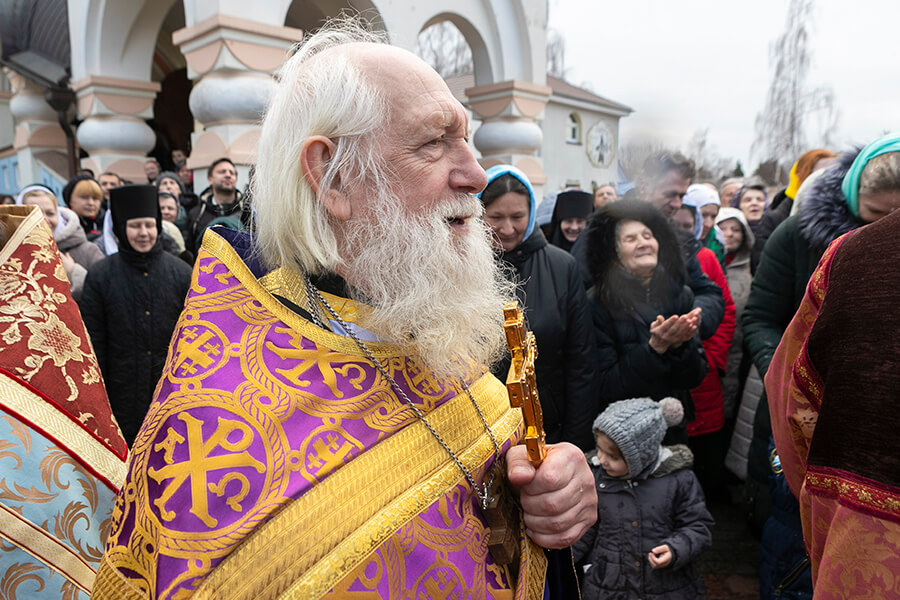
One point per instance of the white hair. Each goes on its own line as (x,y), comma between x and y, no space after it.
(318,93)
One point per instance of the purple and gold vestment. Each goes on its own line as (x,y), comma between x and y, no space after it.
(276,462)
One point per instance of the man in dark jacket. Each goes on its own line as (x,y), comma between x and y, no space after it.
(220,199)
(130,303)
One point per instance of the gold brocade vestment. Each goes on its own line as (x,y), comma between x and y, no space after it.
(276,462)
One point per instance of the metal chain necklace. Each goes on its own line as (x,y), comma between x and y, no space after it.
(484,490)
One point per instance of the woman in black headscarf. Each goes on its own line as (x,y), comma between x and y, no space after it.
(130,303)
(570,215)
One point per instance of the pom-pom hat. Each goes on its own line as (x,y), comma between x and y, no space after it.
(637,427)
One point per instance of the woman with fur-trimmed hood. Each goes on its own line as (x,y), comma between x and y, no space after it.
(642,309)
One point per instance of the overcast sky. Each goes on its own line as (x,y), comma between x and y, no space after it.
(688,65)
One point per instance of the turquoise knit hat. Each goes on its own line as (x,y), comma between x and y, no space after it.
(850,185)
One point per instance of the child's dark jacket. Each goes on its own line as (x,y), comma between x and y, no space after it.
(663,505)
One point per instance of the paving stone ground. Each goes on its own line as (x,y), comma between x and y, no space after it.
(729,566)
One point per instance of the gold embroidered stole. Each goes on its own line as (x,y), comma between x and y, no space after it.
(316,541)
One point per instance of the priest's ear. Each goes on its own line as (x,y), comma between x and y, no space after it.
(316,155)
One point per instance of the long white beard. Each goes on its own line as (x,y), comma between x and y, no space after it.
(436,291)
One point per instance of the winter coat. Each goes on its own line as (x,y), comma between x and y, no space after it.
(70,238)
(707,397)
(707,295)
(549,286)
(788,259)
(739,281)
(779,210)
(740,391)
(714,243)
(623,309)
(739,447)
(130,309)
(634,516)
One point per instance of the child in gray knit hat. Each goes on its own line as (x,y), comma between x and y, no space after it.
(652,521)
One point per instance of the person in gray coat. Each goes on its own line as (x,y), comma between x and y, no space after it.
(652,521)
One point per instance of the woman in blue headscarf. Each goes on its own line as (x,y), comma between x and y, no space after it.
(550,288)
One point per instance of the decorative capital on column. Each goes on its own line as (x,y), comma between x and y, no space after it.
(113,131)
(227,43)
(231,61)
(36,123)
(112,96)
(509,132)
(510,99)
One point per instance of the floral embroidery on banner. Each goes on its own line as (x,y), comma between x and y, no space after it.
(30,297)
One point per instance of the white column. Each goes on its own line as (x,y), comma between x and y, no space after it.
(509,133)
(114,132)
(37,131)
(231,61)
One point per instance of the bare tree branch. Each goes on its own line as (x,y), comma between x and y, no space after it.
(444,48)
(556,54)
(781,127)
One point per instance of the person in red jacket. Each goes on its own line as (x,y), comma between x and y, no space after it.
(705,432)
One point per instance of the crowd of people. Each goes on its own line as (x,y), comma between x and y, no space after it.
(346,309)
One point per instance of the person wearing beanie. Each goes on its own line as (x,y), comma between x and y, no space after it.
(169,209)
(168,181)
(130,303)
(862,188)
(552,295)
(570,214)
(83,195)
(652,520)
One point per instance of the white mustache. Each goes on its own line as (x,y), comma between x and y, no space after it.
(464,206)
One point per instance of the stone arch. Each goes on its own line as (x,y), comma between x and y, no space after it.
(118,38)
(481,58)
(112,70)
(507,37)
